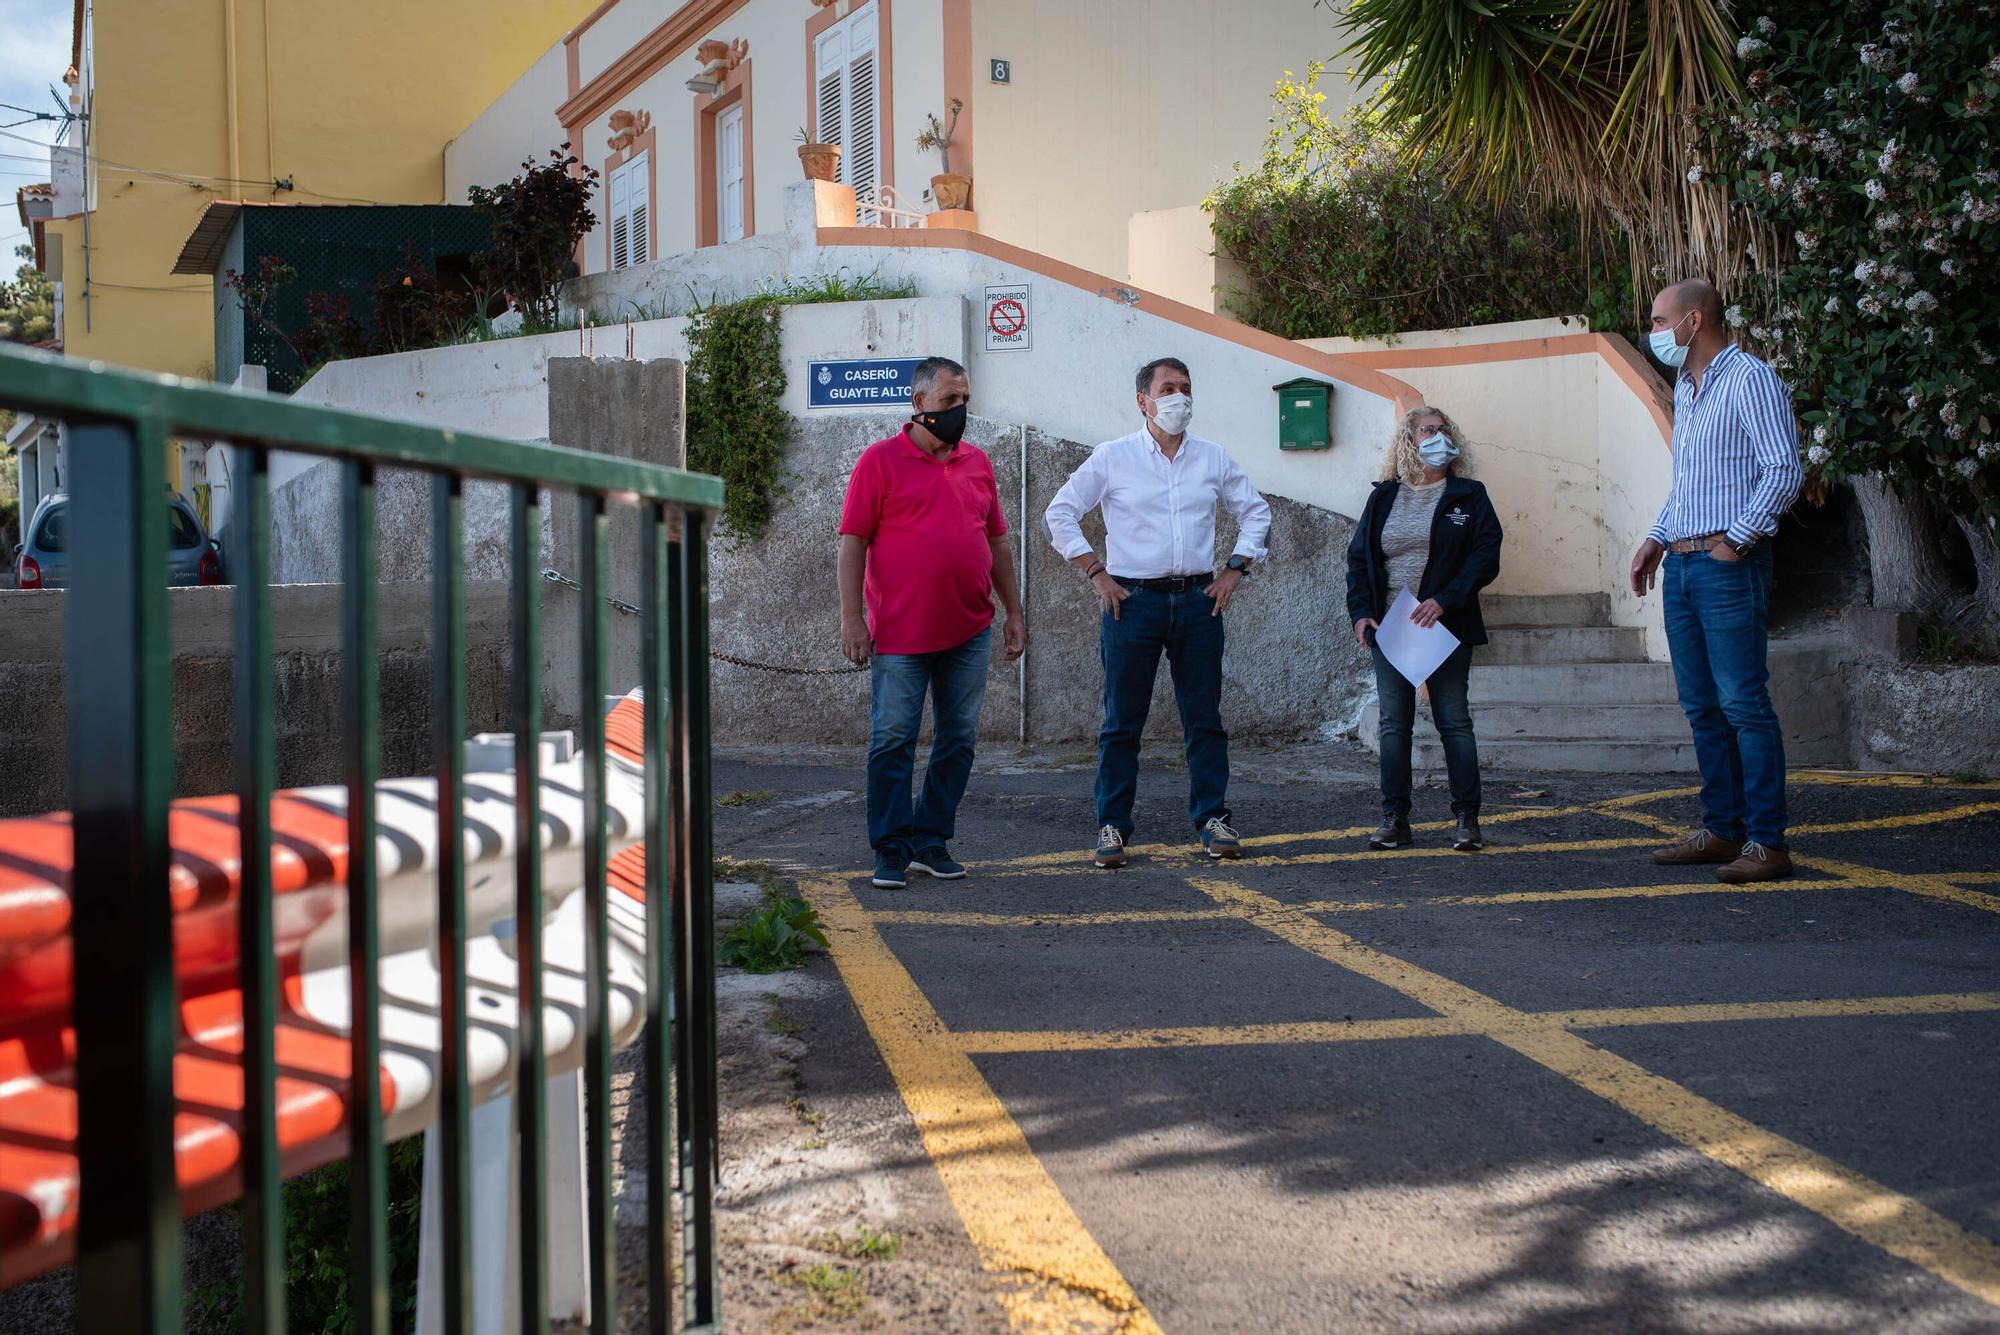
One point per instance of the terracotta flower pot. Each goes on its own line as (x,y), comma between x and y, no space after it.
(951,190)
(821,161)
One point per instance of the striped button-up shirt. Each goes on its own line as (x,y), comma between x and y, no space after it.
(1159,513)
(1736,452)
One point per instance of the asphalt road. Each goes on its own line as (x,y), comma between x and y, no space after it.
(1545,1087)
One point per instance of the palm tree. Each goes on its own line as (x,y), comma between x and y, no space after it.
(1595,102)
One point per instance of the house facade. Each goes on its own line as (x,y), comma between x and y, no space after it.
(1072,117)
(183,103)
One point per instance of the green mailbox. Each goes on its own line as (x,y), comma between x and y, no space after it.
(1305,414)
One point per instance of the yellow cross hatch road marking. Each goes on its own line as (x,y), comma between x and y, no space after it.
(1932,885)
(1893,1222)
(1305,1033)
(1013,1211)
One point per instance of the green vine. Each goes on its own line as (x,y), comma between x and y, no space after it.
(736,428)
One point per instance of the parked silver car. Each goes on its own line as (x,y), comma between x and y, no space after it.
(42,560)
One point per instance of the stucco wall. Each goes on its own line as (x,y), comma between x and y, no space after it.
(1120,106)
(1172,252)
(520,124)
(1567,442)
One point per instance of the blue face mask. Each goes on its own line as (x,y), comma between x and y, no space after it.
(1436,450)
(1669,352)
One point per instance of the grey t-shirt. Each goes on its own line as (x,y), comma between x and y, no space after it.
(1406,535)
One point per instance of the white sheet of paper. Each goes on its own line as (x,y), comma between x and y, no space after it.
(1415,651)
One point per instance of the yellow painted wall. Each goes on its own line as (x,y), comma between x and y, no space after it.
(355,104)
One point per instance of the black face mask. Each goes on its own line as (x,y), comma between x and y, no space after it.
(947,426)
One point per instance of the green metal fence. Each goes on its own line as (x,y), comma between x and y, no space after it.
(121,783)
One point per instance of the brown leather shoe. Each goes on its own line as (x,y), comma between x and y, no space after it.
(1701,846)
(1757,863)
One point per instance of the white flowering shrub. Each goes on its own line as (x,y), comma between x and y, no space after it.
(1866,139)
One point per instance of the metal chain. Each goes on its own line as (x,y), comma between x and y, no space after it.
(554,576)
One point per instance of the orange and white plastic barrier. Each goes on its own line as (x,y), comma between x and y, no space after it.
(38,1106)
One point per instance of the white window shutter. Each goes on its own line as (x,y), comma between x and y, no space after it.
(830,65)
(860,164)
(640,211)
(621,231)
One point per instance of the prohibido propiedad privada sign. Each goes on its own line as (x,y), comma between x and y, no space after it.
(864,382)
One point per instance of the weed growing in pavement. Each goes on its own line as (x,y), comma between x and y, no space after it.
(813,1143)
(1969,776)
(775,1019)
(803,1113)
(743,797)
(867,1244)
(837,1291)
(774,938)
(761,874)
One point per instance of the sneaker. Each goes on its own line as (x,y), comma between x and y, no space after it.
(1699,847)
(1110,847)
(936,861)
(1757,863)
(890,869)
(1219,840)
(1395,833)
(1467,839)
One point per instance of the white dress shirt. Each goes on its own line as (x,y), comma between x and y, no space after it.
(1159,513)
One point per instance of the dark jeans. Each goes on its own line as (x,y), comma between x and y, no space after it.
(1715,612)
(955,680)
(1397,701)
(1181,626)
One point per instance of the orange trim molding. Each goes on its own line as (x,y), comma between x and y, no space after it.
(958,78)
(636,141)
(681,30)
(885,84)
(1343,369)
(573,75)
(708,109)
(1619,354)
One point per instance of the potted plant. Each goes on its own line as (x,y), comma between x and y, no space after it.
(821,161)
(950,189)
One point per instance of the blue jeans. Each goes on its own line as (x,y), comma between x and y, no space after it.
(955,680)
(1715,612)
(1181,626)
(1396,700)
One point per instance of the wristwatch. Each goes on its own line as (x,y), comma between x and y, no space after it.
(1739,548)
(1241,565)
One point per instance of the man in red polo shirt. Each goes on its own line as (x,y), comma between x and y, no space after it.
(923,544)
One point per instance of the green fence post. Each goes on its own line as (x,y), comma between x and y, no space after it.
(121,778)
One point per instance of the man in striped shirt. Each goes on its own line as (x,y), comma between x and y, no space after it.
(1735,471)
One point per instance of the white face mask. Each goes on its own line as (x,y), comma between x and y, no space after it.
(1669,352)
(1436,450)
(1172,413)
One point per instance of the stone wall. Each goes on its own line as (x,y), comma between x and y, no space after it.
(34,713)
(1935,720)
(1290,670)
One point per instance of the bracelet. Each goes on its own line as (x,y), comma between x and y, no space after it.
(1096,569)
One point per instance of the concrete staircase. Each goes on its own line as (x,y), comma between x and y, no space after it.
(1560,688)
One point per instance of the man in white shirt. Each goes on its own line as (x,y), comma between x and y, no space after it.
(1158,488)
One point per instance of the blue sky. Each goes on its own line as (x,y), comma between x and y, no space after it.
(34,52)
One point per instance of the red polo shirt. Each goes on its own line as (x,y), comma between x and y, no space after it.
(929,525)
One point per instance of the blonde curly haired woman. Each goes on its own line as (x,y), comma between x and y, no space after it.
(1430,527)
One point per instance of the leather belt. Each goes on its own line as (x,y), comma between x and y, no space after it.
(1689,546)
(1169,583)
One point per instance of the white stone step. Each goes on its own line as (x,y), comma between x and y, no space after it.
(1571,683)
(1603,755)
(1546,609)
(1563,644)
(1651,740)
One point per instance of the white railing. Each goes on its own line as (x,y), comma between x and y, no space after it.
(881,206)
